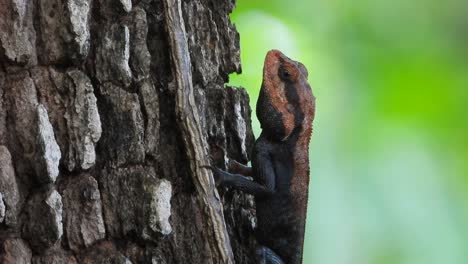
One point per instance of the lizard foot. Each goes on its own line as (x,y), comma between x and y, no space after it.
(267,256)
(218,174)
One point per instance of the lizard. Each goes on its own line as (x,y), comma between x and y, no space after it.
(280,160)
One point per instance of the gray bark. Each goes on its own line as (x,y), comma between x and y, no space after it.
(108,112)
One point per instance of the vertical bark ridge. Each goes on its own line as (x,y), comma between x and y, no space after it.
(195,143)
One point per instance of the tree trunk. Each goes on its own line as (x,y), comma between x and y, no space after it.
(108,112)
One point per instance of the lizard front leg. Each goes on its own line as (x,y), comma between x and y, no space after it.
(240,182)
(264,173)
(237,167)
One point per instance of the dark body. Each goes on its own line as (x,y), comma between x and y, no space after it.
(280,160)
(279,226)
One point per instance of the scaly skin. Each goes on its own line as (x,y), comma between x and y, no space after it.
(280,160)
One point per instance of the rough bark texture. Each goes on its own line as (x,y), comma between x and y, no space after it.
(108,111)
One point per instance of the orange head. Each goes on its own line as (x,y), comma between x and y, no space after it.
(286,100)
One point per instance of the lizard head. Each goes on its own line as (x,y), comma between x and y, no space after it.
(286,100)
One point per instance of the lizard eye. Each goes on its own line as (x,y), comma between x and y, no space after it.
(284,74)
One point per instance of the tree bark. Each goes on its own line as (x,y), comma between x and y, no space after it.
(108,112)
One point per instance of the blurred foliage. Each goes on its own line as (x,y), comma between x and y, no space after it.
(389,154)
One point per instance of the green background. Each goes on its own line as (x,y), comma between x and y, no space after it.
(389,153)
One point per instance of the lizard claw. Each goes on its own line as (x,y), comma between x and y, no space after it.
(217,174)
